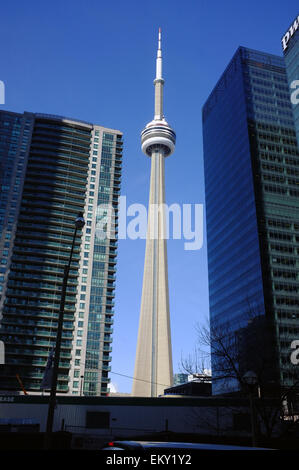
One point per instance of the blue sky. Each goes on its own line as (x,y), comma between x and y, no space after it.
(95,61)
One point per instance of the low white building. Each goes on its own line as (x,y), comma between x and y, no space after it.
(100,418)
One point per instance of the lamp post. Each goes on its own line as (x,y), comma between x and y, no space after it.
(79,224)
(81,385)
(250,379)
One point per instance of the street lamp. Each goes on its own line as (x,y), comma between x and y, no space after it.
(81,385)
(250,379)
(79,224)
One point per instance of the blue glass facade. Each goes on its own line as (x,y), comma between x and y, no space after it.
(247,129)
(232,234)
(15,136)
(291,55)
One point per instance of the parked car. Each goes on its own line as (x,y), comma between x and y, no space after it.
(142,446)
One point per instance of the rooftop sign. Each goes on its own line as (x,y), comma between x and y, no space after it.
(290,32)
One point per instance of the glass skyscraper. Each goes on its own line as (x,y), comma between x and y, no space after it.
(52,168)
(251,165)
(291,55)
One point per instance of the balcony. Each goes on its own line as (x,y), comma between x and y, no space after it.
(33,352)
(37,362)
(107,358)
(105,380)
(36,388)
(108,330)
(108,340)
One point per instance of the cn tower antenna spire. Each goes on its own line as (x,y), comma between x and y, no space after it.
(159,57)
(153,365)
(159,82)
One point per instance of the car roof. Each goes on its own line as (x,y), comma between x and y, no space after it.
(183,445)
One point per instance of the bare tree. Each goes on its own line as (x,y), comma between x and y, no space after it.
(250,347)
(197,363)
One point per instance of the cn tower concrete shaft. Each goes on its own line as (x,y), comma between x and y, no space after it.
(153,365)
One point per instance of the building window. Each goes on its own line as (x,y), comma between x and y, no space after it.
(97,420)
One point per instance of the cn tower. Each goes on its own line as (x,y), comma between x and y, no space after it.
(153,364)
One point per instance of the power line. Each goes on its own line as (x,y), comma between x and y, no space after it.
(141,380)
(129,377)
